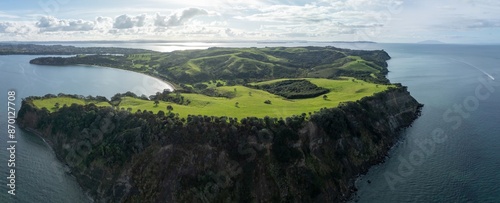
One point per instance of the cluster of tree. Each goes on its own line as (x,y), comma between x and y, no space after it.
(118,96)
(294,89)
(120,142)
(75,96)
(168,96)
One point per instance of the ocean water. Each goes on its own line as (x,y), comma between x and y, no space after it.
(40,177)
(462,164)
(459,165)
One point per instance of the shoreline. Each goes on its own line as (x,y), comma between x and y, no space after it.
(153,76)
(67,169)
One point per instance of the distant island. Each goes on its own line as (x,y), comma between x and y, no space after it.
(273,124)
(430,42)
(353,42)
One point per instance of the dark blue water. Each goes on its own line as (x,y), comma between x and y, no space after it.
(40,177)
(461,167)
(464,165)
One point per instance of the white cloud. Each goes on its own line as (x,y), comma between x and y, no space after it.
(52,24)
(179,18)
(125,21)
(376,20)
(15,28)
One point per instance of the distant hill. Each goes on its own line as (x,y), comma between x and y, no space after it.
(353,42)
(431,42)
(240,65)
(33,49)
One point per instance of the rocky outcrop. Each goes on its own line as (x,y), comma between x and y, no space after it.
(119,156)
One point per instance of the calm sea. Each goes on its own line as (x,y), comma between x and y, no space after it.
(461,167)
(464,165)
(40,177)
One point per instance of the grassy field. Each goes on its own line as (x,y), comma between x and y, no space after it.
(250,101)
(50,103)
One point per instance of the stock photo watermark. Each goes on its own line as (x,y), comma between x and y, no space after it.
(454,116)
(11,141)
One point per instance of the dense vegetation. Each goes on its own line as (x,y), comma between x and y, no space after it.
(33,49)
(123,156)
(243,125)
(294,89)
(243,65)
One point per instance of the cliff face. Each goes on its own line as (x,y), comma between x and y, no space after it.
(119,156)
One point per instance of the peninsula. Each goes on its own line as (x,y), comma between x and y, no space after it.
(243,125)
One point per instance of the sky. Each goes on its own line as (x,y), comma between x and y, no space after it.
(398,21)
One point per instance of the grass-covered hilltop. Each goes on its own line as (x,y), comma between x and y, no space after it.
(241,65)
(242,125)
(237,101)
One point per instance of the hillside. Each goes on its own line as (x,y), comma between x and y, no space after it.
(119,156)
(240,65)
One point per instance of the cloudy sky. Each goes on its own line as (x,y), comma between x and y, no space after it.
(452,21)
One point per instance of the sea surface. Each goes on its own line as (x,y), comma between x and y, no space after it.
(40,177)
(462,166)
(459,165)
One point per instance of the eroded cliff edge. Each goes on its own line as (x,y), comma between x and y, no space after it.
(118,156)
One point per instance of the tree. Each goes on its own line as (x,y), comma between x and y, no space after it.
(156,102)
(56,105)
(161,113)
(170,108)
(325,97)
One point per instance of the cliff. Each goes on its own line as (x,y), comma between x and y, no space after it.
(118,156)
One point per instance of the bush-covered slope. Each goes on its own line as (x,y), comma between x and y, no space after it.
(294,89)
(118,156)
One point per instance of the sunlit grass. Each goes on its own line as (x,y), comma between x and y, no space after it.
(50,103)
(250,102)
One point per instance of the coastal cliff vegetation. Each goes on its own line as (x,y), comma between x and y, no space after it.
(123,156)
(274,124)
